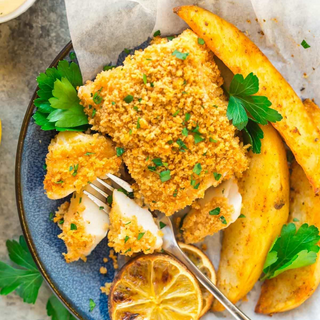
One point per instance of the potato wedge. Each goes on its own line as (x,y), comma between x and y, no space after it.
(265,204)
(242,56)
(293,287)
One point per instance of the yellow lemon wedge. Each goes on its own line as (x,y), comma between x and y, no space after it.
(205,265)
(155,287)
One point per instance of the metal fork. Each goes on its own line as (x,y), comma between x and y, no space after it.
(170,245)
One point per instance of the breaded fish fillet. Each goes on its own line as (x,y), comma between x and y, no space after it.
(166,108)
(75,159)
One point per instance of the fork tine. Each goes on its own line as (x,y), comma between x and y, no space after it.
(97,201)
(125,185)
(99,190)
(105,184)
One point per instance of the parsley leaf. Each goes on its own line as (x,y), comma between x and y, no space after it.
(182,145)
(157,33)
(201,41)
(158,162)
(292,249)
(252,134)
(144,78)
(185,132)
(120,151)
(242,101)
(92,305)
(57,310)
(162,225)
(165,175)
(217,176)
(27,280)
(214,212)
(223,220)
(180,55)
(197,169)
(305,44)
(108,67)
(128,98)
(140,235)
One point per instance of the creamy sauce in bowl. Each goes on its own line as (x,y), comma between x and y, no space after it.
(9,6)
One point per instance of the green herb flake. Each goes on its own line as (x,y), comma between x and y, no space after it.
(138,123)
(292,249)
(94,111)
(305,44)
(89,153)
(126,239)
(184,82)
(152,168)
(157,162)
(127,51)
(170,38)
(223,220)
(80,200)
(180,55)
(295,220)
(61,221)
(184,92)
(120,151)
(105,68)
(217,176)
(213,140)
(197,169)
(151,84)
(201,41)
(215,106)
(140,235)
(109,200)
(182,146)
(157,33)
(113,103)
(92,305)
(197,138)
(127,223)
(176,113)
(72,55)
(97,99)
(215,212)
(130,132)
(144,77)
(175,193)
(242,216)
(127,250)
(101,208)
(70,168)
(162,225)
(44,167)
(128,98)
(51,216)
(194,183)
(73,226)
(59,182)
(165,175)
(185,132)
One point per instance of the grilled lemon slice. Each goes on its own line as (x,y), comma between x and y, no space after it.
(155,287)
(205,265)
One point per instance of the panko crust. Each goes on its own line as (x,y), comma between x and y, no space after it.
(150,126)
(198,223)
(94,155)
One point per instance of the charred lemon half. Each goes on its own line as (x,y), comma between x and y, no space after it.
(155,287)
(206,266)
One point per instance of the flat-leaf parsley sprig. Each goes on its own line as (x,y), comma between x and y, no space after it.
(247,110)
(58,105)
(292,249)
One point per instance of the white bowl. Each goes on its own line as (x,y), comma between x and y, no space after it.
(20,10)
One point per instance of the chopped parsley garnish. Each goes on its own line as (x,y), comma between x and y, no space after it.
(176,113)
(136,108)
(197,169)
(89,153)
(130,132)
(120,151)
(184,82)
(187,117)
(58,104)
(109,200)
(92,305)
(170,38)
(197,135)
(80,200)
(180,55)
(201,41)
(217,176)
(242,102)
(162,225)
(184,92)
(72,55)
(128,250)
(138,123)
(127,51)
(58,182)
(305,44)
(215,106)
(94,111)
(105,68)
(213,140)
(151,84)
(182,146)
(127,223)
(101,208)
(185,132)
(194,183)
(152,168)
(144,77)
(165,175)
(61,221)
(73,226)
(51,216)
(242,216)
(292,249)
(140,235)
(223,220)
(157,33)
(214,212)
(44,167)
(295,220)
(128,98)
(126,239)
(70,168)
(175,193)
(113,103)
(157,162)
(97,99)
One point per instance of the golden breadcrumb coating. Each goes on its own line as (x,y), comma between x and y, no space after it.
(74,159)
(76,239)
(60,213)
(106,288)
(127,237)
(103,270)
(114,259)
(165,92)
(199,223)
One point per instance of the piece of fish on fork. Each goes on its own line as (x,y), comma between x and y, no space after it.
(170,244)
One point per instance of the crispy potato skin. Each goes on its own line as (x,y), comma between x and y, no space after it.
(293,287)
(265,203)
(242,56)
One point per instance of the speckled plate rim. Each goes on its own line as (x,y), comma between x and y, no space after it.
(19,200)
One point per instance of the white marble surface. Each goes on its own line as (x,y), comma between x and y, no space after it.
(27,46)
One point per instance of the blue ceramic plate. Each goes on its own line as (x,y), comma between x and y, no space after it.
(73,283)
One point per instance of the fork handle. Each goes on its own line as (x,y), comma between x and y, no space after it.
(180,255)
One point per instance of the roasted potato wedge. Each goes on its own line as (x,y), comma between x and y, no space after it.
(265,205)
(242,56)
(293,287)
